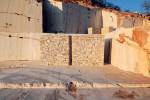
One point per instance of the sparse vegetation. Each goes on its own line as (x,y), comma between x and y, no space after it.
(103,3)
(39,1)
(125,94)
(146,6)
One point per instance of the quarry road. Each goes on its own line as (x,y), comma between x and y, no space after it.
(28,81)
(34,73)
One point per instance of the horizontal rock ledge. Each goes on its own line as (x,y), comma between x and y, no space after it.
(62,86)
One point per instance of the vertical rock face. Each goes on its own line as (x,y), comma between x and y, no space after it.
(146,23)
(132,53)
(140,36)
(19,46)
(77,19)
(70,18)
(130,22)
(52,16)
(20,16)
(109,19)
(130,57)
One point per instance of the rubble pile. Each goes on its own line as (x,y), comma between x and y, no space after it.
(87,2)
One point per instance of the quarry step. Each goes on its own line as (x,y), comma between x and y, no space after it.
(63,86)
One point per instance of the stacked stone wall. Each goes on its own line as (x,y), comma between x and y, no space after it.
(87,50)
(54,49)
(81,50)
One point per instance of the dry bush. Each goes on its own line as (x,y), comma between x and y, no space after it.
(125,94)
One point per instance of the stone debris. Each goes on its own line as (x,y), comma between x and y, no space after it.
(71,88)
(87,2)
(125,94)
(39,1)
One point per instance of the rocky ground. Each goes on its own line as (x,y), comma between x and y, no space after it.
(93,83)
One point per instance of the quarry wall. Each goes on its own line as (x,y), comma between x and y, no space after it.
(131,51)
(109,19)
(52,16)
(129,57)
(20,16)
(73,50)
(53,49)
(129,22)
(109,22)
(75,18)
(146,23)
(19,46)
(78,19)
(132,20)
(62,17)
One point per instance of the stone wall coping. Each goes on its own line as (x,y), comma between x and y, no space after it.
(70,34)
(45,34)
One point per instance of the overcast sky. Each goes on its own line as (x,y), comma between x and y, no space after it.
(132,5)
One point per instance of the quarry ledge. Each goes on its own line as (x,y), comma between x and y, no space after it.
(45,34)
(63,86)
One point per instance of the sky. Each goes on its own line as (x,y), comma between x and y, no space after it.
(132,5)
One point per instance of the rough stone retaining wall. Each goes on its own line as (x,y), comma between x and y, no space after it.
(87,50)
(73,50)
(54,49)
